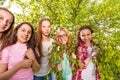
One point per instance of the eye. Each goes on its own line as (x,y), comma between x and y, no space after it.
(88,34)
(49,26)
(1,18)
(82,35)
(43,26)
(29,32)
(9,22)
(23,30)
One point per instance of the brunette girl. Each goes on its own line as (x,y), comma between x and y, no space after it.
(85,52)
(22,47)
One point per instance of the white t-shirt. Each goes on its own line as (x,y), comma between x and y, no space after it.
(44,65)
(89,73)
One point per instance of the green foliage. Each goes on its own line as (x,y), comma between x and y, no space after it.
(102,15)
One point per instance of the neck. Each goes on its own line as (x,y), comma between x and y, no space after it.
(45,38)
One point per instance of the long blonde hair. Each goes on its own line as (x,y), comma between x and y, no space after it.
(68,44)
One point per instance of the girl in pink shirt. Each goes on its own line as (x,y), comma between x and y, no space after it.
(22,47)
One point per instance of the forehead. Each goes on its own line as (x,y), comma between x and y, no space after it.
(85,31)
(45,22)
(6,14)
(62,32)
(25,26)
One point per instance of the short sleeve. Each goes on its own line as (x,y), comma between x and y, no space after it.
(4,55)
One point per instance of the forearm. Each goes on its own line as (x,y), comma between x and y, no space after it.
(88,60)
(59,66)
(35,66)
(7,74)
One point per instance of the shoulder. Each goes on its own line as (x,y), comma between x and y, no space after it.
(51,39)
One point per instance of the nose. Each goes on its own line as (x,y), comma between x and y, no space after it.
(26,33)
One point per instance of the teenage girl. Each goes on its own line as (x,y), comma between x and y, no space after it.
(45,47)
(85,52)
(22,47)
(63,40)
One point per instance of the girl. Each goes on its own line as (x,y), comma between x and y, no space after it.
(64,41)
(22,47)
(85,52)
(45,48)
(6,26)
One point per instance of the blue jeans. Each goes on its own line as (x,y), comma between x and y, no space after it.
(43,77)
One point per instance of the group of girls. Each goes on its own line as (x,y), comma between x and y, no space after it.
(25,56)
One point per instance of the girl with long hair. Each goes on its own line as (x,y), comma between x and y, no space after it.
(22,47)
(45,47)
(63,40)
(6,26)
(85,52)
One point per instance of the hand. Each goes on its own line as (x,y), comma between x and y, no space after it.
(73,56)
(95,52)
(50,49)
(30,54)
(27,63)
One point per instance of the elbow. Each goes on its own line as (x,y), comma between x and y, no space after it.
(37,69)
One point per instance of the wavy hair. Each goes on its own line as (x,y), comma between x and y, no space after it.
(68,44)
(79,41)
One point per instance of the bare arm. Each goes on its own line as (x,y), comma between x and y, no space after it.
(5,75)
(60,66)
(91,56)
(30,55)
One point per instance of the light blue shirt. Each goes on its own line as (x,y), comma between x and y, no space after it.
(66,66)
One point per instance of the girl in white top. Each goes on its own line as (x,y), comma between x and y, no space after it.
(44,47)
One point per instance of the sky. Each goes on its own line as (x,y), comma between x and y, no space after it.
(13,8)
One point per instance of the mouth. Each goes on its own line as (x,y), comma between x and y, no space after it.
(24,37)
(2,26)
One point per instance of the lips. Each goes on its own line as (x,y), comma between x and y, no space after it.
(24,37)
(2,26)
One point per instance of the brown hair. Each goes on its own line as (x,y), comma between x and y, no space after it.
(39,35)
(68,44)
(31,43)
(5,38)
(79,41)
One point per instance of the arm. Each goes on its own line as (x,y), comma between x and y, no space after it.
(95,52)
(30,55)
(59,66)
(35,66)
(5,75)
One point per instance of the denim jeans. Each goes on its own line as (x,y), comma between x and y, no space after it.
(43,77)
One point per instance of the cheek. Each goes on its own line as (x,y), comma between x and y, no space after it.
(60,40)
(29,36)
(7,28)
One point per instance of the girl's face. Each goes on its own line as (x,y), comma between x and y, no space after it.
(6,20)
(86,35)
(45,28)
(24,33)
(63,38)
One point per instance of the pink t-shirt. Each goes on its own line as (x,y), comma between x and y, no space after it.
(12,55)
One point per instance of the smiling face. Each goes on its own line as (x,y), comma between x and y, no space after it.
(24,33)
(63,38)
(86,35)
(46,28)
(6,20)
